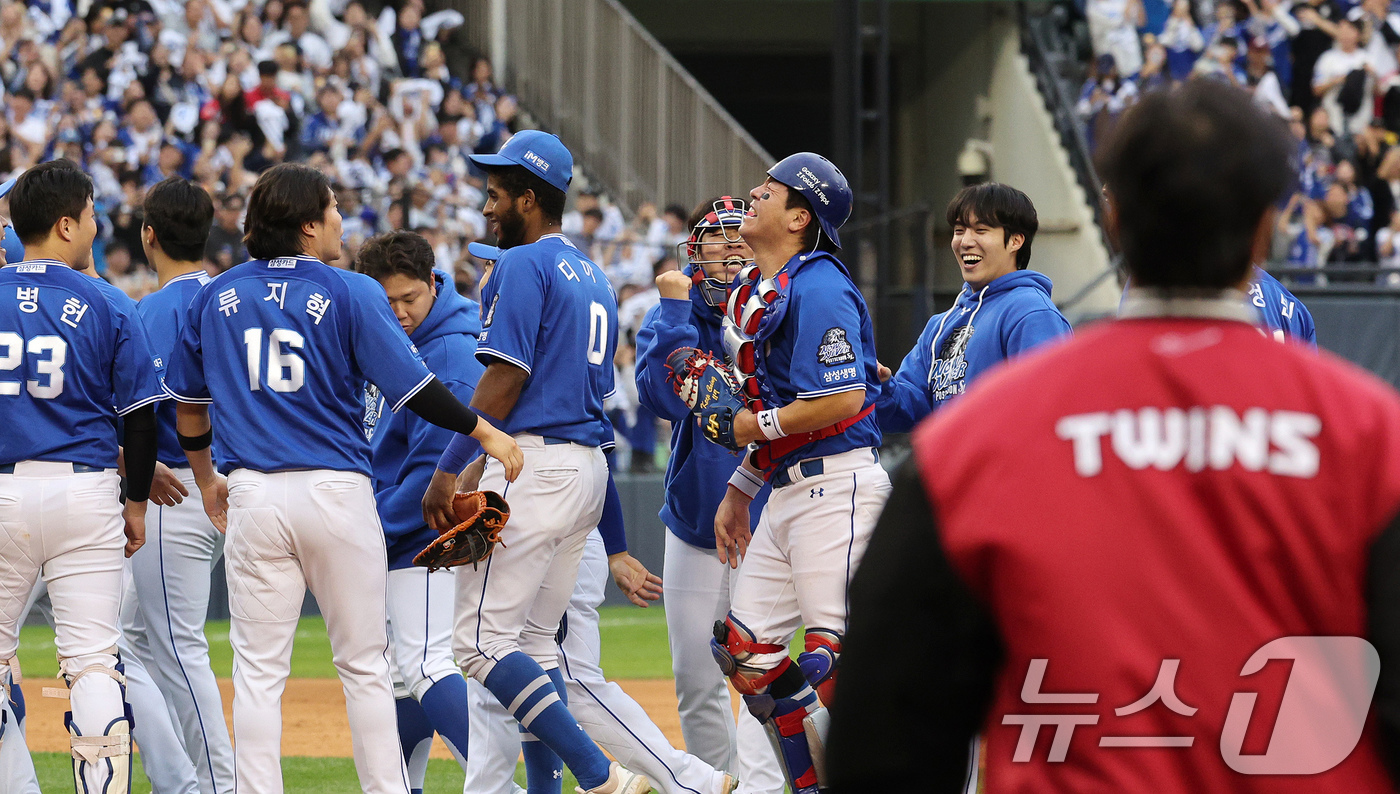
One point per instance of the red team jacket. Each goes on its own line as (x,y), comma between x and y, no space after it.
(1164,489)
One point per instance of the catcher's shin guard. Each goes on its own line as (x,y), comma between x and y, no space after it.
(797,725)
(733,646)
(819,661)
(102,764)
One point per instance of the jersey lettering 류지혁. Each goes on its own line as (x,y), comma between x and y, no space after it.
(283,348)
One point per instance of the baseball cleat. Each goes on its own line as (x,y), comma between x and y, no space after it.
(620,781)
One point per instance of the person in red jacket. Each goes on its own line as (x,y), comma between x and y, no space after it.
(1092,558)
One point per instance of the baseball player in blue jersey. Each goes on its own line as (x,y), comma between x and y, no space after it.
(698,585)
(1003,310)
(548,340)
(404,454)
(73,360)
(16,767)
(1279,311)
(798,332)
(281,346)
(172,574)
(603,709)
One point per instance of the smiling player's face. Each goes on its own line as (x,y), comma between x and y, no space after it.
(83,235)
(503,215)
(983,251)
(724,257)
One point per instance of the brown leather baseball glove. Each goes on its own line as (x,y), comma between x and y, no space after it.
(481,516)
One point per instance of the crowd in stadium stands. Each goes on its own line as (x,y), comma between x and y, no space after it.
(219,90)
(1327,67)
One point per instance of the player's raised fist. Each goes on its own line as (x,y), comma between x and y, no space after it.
(673,284)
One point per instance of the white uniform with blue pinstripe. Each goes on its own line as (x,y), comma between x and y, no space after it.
(608,714)
(172,573)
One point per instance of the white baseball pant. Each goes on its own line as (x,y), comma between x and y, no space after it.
(608,714)
(162,751)
(290,531)
(172,574)
(515,600)
(420,621)
(494,753)
(698,588)
(809,540)
(67,527)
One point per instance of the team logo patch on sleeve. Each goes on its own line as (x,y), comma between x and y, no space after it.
(835,349)
(491,313)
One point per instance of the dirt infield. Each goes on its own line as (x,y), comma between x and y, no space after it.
(314,722)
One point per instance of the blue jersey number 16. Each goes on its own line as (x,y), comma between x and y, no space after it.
(286,371)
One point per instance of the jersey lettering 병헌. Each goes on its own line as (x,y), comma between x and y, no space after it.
(73,357)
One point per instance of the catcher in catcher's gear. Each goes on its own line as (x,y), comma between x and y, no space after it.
(481,517)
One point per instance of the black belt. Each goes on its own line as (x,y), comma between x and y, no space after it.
(78,468)
(551,441)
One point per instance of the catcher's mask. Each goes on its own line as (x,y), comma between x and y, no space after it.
(725,218)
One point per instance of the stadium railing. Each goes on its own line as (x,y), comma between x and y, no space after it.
(635,120)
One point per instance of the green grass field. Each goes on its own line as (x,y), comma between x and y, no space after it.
(633,645)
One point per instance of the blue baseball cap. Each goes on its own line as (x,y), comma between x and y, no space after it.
(490,253)
(8,185)
(540,153)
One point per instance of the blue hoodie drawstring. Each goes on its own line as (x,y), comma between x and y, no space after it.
(941,323)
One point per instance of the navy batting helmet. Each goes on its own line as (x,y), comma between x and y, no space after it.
(822,184)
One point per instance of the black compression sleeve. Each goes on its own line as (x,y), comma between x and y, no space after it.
(139,444)
(919,661)
(1383,630)
(438,405)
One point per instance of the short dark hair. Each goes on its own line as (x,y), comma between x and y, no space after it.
(995,204)
(812,237)
(267,68)
(284,198)
(515,180)
(674,209)
(180,213)
(1191,173)
(397,252)
(44,195)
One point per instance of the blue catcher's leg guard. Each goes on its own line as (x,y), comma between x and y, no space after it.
(781,699)
(818,662)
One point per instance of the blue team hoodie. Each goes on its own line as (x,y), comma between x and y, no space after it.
(1007,317)
(699,471)
(404,448)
